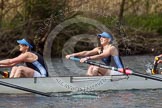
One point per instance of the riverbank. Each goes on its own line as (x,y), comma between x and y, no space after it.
(134,43)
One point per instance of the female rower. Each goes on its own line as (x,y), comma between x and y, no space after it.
(105,52)
(34,65)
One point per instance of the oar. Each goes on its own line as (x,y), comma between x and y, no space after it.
(24,89)
(127,71)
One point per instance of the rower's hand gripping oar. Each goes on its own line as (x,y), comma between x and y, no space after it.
(127,71)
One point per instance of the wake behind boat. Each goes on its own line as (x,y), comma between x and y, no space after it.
(79,84)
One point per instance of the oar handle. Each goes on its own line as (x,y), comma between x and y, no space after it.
(74,59)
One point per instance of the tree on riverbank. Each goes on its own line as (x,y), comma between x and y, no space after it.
(36,18)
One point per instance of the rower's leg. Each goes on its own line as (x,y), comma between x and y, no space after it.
(23,71)
(115,73)
(89,71)
(92,70)
(13,71)
(95,71)
(102,71)
(109,72)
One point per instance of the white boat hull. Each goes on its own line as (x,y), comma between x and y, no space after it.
(69,84)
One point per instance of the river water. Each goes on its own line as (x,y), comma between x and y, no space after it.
(107,99)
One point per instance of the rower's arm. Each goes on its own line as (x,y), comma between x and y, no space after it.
(83,53)
(99,56)
(113,51)
(6,66)
(11,62)
(117,59)
(118,62)
(6,62)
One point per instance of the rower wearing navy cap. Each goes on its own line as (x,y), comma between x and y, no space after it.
(107,52)
(34,66)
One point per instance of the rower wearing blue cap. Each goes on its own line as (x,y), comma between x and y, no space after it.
(107,60)
(24,42)
(107,52)
(34,66)
(105,35)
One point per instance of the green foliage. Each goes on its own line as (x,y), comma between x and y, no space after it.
(30,18)
(41,9)
(159,30)
(148,23)
(38,9)
(35,11)
(17,20)
(145,22)
(110,22)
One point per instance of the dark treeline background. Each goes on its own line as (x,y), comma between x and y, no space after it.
(136,24)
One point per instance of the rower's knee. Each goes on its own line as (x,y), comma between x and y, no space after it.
(20,68)
(14,68)
(19,71)
(95,70)
(92,71)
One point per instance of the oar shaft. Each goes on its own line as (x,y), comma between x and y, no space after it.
(23,88)
(146,76)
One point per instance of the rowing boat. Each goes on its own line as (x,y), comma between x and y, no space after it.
(129,80)
(84,83)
